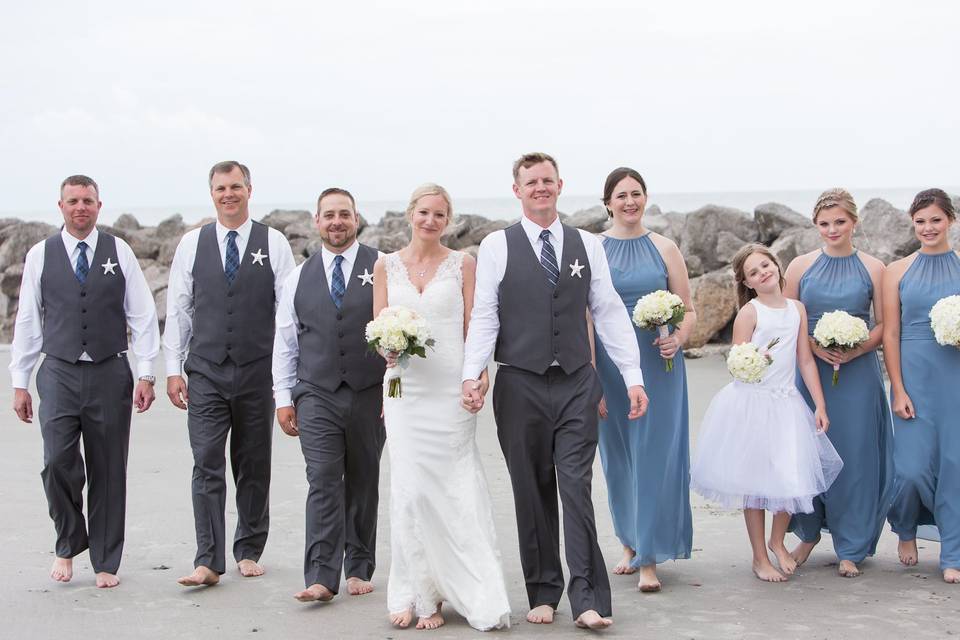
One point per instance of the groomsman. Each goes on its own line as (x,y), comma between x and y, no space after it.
(81,289)
(224,284)
(329,391)
(535,282)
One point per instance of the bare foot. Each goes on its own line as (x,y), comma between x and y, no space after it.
(765,570)
(249,569)
(787,564)
(952,576)
(402,620)
(314,593)
(541,614)
(201,577)
(803,550)
(590,619)
(62,569)
(434,621)
(358,587)
(907,550)
(623,567)
(106,580)
(848,569)
(649,583)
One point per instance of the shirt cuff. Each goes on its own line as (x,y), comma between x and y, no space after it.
(283,398)
(174,368)
(632,377)
(21,379)
(144,368)
(471,373)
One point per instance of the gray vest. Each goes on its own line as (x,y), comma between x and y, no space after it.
(539,323)
(232,320)
(82,317)
(333,344)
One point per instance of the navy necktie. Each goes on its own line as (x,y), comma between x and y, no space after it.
(232,264)
(337,285)
(83,267)
(548,259)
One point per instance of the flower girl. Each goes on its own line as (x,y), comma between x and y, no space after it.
(760,448)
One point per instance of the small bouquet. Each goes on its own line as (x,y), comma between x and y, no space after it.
(659,309)
(945,321)
(402,331)
(840,330)
(747,362)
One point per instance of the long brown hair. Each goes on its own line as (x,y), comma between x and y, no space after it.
(744,293)
(935,197)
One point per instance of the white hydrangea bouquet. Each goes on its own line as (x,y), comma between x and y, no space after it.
(945,321)
(399,330)
(747,362)
(840,330)
(658,310)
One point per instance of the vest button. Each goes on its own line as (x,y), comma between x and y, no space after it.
(556,314)
(83,294)
(343,353)
(229,312)
(343,371)
(229,294)
(228,347)
(556,332)
(83,310)
(229,329)
(84,327)
(84,343)
(555,295)
(339,316)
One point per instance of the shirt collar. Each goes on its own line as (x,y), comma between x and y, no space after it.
(349,256)
(532,229)
(243,231)
(70,243)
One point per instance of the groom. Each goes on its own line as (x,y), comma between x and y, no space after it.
(329,391)
(535,282)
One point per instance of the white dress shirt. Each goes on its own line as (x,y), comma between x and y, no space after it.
(138,306)
(286,344)
(610,317)
(179,327)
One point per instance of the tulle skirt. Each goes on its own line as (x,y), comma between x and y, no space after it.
(759,449)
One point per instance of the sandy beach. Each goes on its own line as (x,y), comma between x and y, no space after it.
(712,595)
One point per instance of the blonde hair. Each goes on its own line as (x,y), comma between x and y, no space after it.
(744,293)
(836,198)
(430,189)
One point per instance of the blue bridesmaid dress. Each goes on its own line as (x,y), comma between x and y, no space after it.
(856,504)
(927,447)
(646,461)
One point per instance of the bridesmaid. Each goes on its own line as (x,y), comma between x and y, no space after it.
(838,277)
(924,384)
(646,461)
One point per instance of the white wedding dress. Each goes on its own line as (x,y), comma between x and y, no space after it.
(443,544)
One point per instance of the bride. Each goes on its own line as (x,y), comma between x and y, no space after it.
(443,545)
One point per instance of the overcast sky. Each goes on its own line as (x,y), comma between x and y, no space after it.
(382,96)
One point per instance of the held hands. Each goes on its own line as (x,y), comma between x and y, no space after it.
(638,401)
(472,398)
(177,391)
(287,417)
(23,405)
(143,395)
(902,406)
(823,422)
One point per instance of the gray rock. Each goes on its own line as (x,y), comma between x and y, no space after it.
(157,276)
(795,242)
(16,239)
(127,222)
(388,235)
(714,297)
(301,229)
(117,233)
(467,230)
(10,281)
(144,243)
(172,227)
(712,234)
(669,225)
(774,218)
(168,247)
(280,219)
(160,300)
(885,232)
(595,219)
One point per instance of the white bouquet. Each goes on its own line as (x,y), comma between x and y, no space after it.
(659,309)
(399,330)
(747,362)
(945,321)
(840,330)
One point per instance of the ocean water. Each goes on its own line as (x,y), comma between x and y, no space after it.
(506,208)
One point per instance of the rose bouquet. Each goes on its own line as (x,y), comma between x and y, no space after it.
(659,309)
(945,321)
(747,362)
(399,330)
(840,330)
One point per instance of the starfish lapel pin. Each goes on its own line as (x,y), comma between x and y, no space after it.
(109,266)
(576,268)
(258,257)
(365,278)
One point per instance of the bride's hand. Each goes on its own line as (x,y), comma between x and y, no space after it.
(389,356)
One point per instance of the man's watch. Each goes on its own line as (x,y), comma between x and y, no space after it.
(150,379)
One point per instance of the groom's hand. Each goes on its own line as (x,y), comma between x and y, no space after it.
(638,401)
(472,399)
(287,417)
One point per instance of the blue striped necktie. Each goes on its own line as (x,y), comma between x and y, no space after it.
(548,259)
(83,267)
(337,286)
(232,263)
